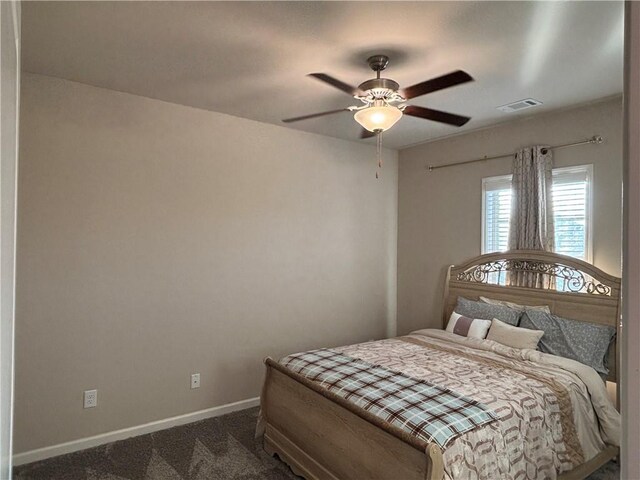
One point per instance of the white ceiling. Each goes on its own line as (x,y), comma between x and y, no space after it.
(250,59)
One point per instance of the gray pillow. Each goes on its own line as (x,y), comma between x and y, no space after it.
(587,343)
(486,311)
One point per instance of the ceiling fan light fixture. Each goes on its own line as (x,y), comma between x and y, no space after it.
(378,117)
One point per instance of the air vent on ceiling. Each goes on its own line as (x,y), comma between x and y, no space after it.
(519,105)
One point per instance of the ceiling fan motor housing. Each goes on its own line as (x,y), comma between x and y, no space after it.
(379,83)
(379,87)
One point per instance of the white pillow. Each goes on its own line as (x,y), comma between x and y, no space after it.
(468,327)
(515,306)
(514,336)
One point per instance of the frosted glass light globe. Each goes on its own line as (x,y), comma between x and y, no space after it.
(378,117)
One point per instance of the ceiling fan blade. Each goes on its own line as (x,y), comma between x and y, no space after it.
(334,82)
(445,81)
(364,133)
(436,115)
(314,115)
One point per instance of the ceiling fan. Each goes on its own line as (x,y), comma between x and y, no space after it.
(384,102)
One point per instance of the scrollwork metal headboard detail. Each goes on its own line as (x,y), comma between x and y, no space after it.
(545,275)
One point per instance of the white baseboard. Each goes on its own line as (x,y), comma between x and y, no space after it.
(96,440)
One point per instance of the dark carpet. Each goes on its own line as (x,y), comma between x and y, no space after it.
(218,448)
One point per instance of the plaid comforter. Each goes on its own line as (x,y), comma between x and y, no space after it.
(427,411)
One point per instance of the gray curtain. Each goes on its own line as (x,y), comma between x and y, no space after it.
(531,225)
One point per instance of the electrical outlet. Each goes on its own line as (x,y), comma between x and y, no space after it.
(90,398)
(195,380)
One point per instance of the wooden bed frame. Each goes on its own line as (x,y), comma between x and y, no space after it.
(321,436)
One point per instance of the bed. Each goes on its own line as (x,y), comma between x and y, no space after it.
(322,434)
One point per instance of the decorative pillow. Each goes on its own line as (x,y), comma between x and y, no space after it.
(485,311)
(515,306)
(587,343)
(467,327)
(514,336)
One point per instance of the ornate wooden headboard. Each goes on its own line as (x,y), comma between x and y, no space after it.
(570,287)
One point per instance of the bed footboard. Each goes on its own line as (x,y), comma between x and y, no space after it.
(320,439)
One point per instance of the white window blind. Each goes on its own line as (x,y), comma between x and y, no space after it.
(571,211)
(497,210)
(571,207)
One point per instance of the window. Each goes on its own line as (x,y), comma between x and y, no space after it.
(496,192)
(571,192)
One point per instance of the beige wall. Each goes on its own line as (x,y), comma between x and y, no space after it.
(439,213)
(156,240)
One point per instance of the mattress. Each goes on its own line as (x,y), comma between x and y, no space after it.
(495,411)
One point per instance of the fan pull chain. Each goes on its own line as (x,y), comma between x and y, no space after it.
(379,152)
